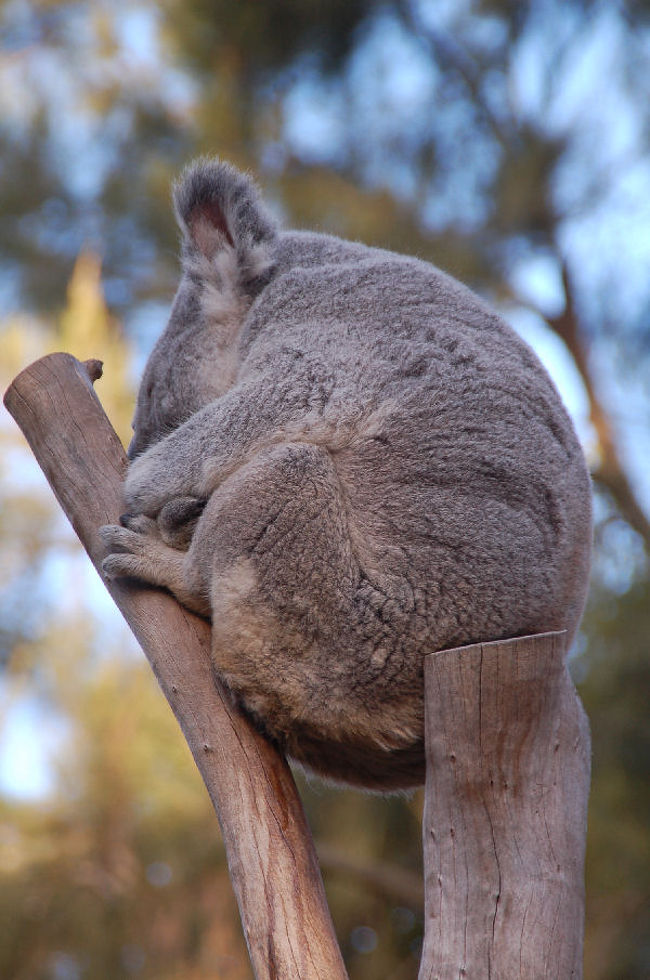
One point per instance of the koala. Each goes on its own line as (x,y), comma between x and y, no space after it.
(345,461)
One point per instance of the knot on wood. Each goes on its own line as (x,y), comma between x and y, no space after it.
(94,369)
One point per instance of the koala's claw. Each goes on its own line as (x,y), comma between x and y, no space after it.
(111,537)
(134,537)
(119,539)
(139,552)
(122,565)
(128,549)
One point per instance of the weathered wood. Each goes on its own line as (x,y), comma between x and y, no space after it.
(270,851)
(505,813)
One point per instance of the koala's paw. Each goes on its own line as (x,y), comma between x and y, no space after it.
(138,550)
(133,548)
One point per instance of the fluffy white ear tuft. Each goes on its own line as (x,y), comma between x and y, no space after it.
(219,209)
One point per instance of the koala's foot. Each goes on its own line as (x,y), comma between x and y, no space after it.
(137,550)
(177,521)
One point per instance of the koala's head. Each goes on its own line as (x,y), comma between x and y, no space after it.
(228,256)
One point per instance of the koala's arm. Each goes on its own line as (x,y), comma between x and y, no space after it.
(200,454)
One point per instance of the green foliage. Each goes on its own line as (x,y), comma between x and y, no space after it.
(122,872)
(615,693)
(267,37)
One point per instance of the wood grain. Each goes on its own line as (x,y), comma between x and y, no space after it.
(270,851)
(505,813)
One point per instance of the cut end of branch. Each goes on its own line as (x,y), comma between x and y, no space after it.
(94,368)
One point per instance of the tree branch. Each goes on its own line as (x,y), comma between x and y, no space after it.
(505,813)
(449,54)
(610,472)
(271,857)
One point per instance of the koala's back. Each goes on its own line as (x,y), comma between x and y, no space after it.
(459,462)
(464,492)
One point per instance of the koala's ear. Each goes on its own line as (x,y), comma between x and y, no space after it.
(219,209)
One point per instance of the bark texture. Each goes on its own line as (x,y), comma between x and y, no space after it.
(505,813)
(270,851)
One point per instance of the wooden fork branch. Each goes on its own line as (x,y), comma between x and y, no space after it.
(505,814)
(271,857)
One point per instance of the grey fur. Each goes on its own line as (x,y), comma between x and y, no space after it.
(364,463)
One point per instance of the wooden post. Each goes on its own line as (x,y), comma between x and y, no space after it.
(270,851)
(505,813)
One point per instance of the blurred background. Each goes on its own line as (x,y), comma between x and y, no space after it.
(507,142)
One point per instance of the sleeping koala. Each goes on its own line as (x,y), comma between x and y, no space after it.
(345,461)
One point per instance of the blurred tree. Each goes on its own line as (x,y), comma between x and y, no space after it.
(615,689)
(30,526)
(121,872)
(508,143)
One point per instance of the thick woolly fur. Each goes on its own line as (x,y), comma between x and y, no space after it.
(347,461)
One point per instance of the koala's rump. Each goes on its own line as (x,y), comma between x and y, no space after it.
(472,503)
(335,570)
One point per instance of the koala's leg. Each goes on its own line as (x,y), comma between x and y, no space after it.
(138,550)
(279,520)
(293,631)
(312,648)
(270,559)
